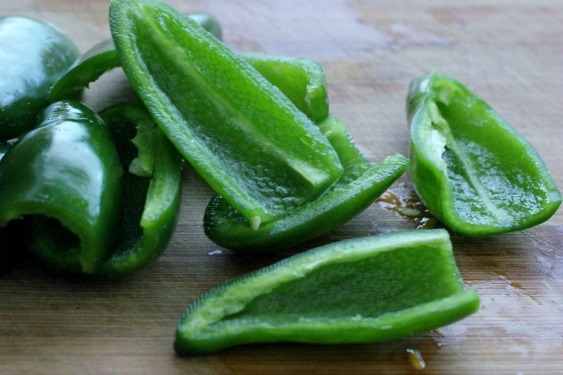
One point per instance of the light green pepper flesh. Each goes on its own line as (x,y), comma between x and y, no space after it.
(361,183)
(355,291)
(470,167)
(240,133)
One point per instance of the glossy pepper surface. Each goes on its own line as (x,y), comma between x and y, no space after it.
(239,132)
(68,198)
(33,55)
(471,168)
(354,291)
(64,179)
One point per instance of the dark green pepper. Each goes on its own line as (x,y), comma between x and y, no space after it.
(33,55)
(78,212)
(472,170)
(64,179)
(238,131)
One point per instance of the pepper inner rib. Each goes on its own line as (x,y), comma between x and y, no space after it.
(469,169)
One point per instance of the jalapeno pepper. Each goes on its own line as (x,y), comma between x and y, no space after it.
(471,168)
(239,132)
(362,182)
(33,56)
(303,81)
(78,212)
(63,178)
(354,291)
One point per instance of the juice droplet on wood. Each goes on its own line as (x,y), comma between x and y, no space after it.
(415,359)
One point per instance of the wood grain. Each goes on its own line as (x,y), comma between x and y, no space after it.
(509,52)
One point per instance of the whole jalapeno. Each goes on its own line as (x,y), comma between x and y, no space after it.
(33,55)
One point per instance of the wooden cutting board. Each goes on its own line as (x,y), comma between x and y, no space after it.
(509,52)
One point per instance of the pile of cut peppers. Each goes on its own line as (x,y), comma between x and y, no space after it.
(98,192)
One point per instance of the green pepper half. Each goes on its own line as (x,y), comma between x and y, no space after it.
(33,55)
(354,291)
(238,131)
(63,189)
(362,182)
(303,81)
(472,170)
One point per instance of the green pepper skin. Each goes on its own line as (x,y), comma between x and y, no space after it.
(359,290)
(472,170)
(33,55)
(301,80)
(361,183)
(102,57)
(4,146)
(151,192)
(64,179)
(238,131)
(88,68)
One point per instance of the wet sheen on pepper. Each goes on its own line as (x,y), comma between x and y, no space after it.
(64,179)
(33,55)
